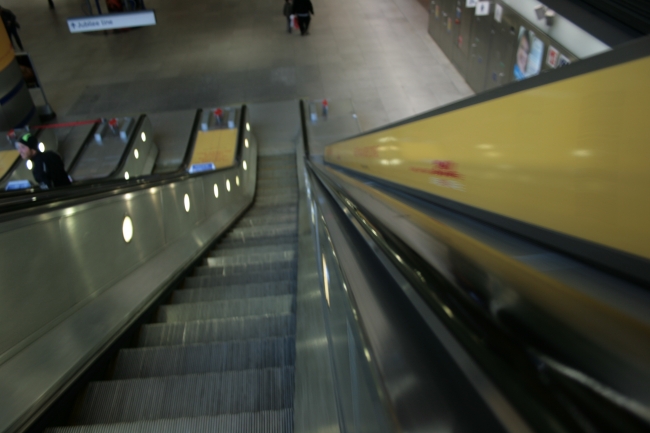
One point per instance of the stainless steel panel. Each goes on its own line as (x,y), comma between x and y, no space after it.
(174,211)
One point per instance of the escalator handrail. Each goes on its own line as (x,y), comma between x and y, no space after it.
(489,343)
(44,200)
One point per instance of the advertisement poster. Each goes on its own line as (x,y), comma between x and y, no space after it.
(530,51)
(563,61)
(498,13)
(552,56)
(482,9)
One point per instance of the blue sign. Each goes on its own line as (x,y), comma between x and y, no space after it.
(204,166)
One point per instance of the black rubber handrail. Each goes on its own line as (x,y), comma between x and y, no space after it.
(303,125)
(44,200)
(525,370)
(83,147)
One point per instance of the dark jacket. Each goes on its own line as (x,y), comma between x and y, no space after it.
(287,9)
(48,170)
(302,7)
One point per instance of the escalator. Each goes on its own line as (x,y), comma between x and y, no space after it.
(221,353)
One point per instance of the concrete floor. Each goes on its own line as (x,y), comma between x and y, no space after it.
(374,54)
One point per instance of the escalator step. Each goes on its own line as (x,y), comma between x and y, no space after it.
(251,277)
(259,250)
(189,395)
(253,290)
(267,220)
(209,331)
(232,242)
(245,268)
(269,305)
(277,421)
(205,358)
(263,231)
(257,257)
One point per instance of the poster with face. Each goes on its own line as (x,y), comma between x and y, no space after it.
(530,51)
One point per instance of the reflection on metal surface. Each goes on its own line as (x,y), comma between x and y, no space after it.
(41,146)
(216,191)
(143,136)
(237,180)
(326,280)
(186,202)
(246,143)
(245,166)
(29,164)
(126,175)
(127,229)
(248,128)
(136,153)
(228,184)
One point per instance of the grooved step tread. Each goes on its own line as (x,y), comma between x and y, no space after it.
(269,305)
(210,280)
(253,258)
(208,331)
(234,252)
(277,421)
(189,395)
(205,358)
(234,291)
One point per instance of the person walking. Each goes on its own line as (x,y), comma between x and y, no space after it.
(302,9)
(286,11)
(12,26)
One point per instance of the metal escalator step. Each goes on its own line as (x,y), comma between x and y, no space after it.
(205,358)
(200,281)
(288,218)
(233,252)
(268,305)
(189,395)
(262,231)
(240,243)
(254,211)
(253,258)
(209,331)
(253,290)
(256,263)
(276,421)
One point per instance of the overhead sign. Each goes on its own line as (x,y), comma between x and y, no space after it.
(120,20)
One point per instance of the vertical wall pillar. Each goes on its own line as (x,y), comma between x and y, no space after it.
(16,105)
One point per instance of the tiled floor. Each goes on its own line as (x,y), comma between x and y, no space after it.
(375,53)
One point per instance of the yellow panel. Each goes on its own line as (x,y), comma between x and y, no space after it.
(216,146)
(6,50)
(570,156)
(7,159)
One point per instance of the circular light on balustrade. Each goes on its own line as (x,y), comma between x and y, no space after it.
(41,146)
(126,175)
(245,166)
(216,191)
(237,180)
(248,126)
(143,136)
(127,229)
(246,142)
(186,202)
(228,184)
(29,164)
(136,154)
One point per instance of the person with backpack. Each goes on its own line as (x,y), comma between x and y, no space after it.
(302,9)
